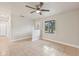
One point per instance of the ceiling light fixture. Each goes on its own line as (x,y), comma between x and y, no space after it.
(38,11)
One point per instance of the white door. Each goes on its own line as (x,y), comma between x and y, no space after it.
(3,29)
(35,35)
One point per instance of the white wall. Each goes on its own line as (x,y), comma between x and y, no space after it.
(67,27)
(21,27)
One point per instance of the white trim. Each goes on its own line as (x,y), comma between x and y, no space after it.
(72,45)
(22,38)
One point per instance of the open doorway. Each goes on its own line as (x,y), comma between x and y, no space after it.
(3,28)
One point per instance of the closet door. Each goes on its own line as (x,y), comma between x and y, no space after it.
(3,29)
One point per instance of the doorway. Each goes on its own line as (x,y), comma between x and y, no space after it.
(3,28)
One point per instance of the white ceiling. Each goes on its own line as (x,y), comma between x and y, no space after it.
(18,8)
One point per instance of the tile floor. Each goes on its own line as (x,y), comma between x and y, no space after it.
(36,48)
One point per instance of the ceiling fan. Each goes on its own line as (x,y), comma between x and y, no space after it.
(38,8)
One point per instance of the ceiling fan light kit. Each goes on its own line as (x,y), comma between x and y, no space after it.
(38,11)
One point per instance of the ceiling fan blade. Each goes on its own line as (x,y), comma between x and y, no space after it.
(41,4)
(30,7)
(32,11)
(45,10)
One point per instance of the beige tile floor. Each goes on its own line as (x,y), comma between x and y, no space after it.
(36,48)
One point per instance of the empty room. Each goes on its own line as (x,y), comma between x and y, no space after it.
(39,28)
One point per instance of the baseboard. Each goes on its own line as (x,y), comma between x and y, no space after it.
(67,44)
(23,38)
